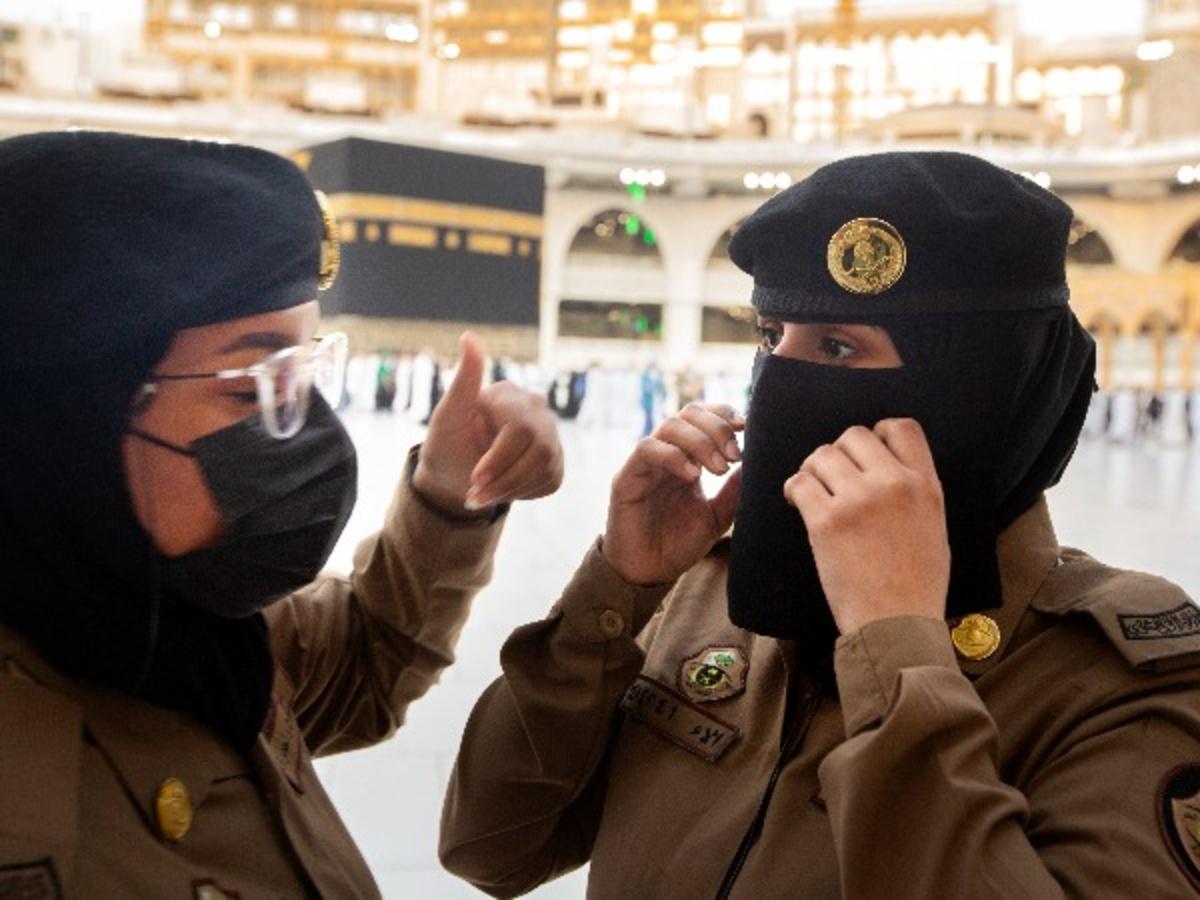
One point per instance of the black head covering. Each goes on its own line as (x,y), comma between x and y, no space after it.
(963,263)
(110,244)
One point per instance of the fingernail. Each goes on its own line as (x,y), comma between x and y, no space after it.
(693,471)
(480,496)
(471,505)
(717,461)
(732,450)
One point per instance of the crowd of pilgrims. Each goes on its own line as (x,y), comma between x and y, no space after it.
(637,398)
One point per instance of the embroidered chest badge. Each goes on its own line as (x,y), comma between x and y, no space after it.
(715,673)
(1179,818)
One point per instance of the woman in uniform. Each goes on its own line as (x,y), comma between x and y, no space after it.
(172,479)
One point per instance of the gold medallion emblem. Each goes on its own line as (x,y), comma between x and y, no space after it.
(331,246)
(866,256)
(713,674)
(976,636)
(174,809)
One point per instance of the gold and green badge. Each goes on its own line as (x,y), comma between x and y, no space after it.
(714,673)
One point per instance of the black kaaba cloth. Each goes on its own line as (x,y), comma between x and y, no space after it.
(452,198)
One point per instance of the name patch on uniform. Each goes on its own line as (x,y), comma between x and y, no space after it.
(677,719)
(30,881)
(1179,818)
(1182,621)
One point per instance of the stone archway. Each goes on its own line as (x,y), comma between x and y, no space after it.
(594,305)
(1187,248)
(1086,246)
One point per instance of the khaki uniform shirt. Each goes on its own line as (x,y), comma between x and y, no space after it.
(1035,773)
(83,810)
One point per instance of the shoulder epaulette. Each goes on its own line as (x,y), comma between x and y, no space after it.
(39,781)
(1152,622)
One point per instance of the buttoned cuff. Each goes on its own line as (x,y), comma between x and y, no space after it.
(429,539)
(410,468)
(599,605)
(868,663)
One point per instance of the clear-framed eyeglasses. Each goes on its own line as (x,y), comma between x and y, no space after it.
(284,381)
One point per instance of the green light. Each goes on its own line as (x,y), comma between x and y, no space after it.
(637,192)
(648,238)
(633,225)
(640,324)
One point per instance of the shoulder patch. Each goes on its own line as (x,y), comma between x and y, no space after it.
(1182,621)
(35,880)
(1178,807)
(1151,622)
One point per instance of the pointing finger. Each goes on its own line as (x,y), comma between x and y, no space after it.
(464,389)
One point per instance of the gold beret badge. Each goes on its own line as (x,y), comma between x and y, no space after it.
(331,248)
(866,256)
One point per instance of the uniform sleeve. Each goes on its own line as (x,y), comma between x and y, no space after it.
(525,797)
(357,651)
(918,808)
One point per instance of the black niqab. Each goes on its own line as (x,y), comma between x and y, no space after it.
(1002,397)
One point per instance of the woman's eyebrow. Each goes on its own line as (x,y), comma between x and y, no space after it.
(259,340)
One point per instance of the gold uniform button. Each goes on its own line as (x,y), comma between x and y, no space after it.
(174,809)
(976,637)
(611,623)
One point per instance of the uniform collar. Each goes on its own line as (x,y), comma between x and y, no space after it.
(19,655)
(1027,552)
(145,744)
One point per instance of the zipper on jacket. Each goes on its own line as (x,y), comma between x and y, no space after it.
(794,739)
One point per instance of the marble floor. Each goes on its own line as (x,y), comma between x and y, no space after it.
(1136,506)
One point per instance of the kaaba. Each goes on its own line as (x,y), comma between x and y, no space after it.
(431,236)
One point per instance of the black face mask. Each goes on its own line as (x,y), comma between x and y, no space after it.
(798,406)
(284,503)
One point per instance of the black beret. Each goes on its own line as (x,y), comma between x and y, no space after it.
(110,243)
(906,232)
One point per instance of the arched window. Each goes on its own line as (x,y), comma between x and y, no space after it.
(1086,246)
(1103,323)
(616,232)
(720,249)
(594,304)
(1187,250)
(1157,322)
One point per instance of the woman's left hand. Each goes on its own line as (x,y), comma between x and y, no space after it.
(872,504)
(487,446)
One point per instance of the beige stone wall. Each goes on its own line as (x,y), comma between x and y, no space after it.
(1154,315)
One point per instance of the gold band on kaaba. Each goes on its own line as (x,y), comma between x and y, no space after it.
(866,256)
(331,247)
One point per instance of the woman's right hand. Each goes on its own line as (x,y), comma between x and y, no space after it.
(660,523)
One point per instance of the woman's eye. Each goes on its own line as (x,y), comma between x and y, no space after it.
(837,350)
(769,337)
